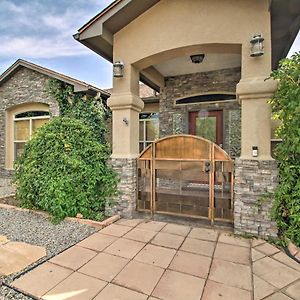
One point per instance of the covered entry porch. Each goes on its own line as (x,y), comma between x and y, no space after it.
(162,43)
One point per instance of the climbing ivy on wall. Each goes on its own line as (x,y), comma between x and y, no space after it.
(90,110)
(286,108)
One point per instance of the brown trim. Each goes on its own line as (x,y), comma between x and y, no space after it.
(98,16)
(213,113)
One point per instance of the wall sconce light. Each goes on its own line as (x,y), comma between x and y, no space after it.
(197,58)
(125,120)
(254,151)
(257,45)
(118,69)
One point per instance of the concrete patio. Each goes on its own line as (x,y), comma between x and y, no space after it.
(139,259)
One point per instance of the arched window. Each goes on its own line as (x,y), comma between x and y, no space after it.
(22,121)
(25,125)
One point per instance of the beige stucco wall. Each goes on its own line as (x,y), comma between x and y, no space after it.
(151,108)
(175,24)
(176,28)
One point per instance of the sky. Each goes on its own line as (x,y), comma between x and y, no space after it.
(41,31)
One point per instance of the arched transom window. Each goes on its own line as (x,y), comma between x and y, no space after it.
(21,122)
(25,125)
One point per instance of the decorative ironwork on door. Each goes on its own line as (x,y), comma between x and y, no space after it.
(186,175)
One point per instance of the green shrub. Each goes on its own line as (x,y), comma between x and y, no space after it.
(286,107)
(64,170)
(82,107)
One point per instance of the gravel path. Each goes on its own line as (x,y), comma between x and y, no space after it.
(38,230)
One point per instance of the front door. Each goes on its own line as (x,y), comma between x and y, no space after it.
(207,124)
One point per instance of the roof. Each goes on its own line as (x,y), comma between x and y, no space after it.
(79,86)
(97,34)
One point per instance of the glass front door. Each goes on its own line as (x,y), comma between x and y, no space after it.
(207,124)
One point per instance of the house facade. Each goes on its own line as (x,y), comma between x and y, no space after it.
(25,105)
(210,61)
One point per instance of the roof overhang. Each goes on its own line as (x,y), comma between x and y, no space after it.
(97,34)
(285,21)
(79,86)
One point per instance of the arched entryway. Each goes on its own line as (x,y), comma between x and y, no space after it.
(185,175)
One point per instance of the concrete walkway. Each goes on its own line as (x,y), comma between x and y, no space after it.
(139,260)
(16,256)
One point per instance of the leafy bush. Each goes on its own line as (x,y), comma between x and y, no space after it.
(80,106)
(286,108)
(64,171)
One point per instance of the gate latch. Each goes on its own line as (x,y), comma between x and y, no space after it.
(207,166)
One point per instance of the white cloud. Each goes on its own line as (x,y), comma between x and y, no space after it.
(36,47)
(34,30)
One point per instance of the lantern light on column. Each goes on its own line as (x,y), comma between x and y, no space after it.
(257,45)
(118,69)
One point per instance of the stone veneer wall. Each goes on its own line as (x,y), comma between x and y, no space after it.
(125,203)
(253,180)
(173,119)
(25,86)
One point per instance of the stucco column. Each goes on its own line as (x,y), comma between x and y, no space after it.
(126,104)
(253,95)
(255,176)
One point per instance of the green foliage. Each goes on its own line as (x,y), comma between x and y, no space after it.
(286,108)
(64,170)
(80,106)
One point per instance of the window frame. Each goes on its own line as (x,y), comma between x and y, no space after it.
(30,119)
(10,116)
(144,141)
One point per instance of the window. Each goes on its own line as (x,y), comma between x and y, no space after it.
(207,98)
(25,125)
(275,140)
(149,129)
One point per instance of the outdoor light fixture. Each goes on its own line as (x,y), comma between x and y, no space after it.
(118,69)
(197,58)
(254,151)
(257,46)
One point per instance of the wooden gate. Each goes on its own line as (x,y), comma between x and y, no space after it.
(185,175)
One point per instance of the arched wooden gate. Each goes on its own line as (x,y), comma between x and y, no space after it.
(186,175)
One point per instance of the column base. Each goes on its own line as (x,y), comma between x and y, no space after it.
(125,203)
(255,182)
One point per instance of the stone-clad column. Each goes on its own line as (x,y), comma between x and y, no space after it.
(255,182)
(255,176)
(125,104)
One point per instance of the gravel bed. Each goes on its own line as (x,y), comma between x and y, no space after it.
(9,294)
(37,230)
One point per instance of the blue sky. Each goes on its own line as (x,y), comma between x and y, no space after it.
(41,31)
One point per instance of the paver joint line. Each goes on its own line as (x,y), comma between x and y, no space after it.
(157,256)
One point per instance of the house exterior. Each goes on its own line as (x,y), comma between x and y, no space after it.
(210,61)
(25,105)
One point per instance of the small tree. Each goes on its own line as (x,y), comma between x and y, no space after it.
(64,168)
(286,107)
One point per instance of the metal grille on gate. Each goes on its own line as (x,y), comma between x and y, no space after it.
(185,175)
